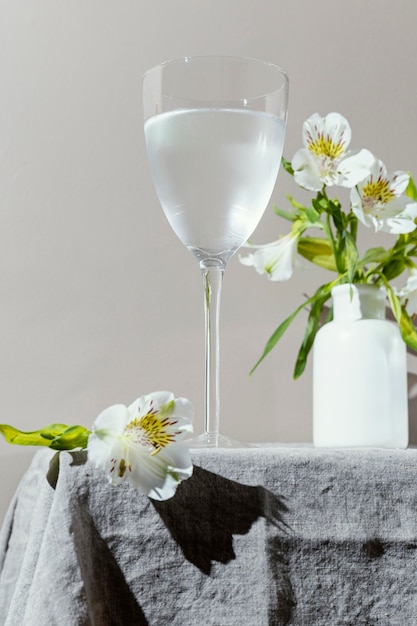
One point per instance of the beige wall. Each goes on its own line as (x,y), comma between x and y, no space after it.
(99,301)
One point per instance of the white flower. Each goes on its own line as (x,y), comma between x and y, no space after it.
(325,160)
(380,201)
(275,259)
(140,443)
(408,294)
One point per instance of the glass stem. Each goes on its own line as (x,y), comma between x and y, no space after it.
(212,270)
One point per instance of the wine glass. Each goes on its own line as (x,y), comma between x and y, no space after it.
(214,132)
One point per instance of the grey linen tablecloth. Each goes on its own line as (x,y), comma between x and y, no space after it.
(269,536)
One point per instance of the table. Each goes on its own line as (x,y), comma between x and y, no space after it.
(258,536)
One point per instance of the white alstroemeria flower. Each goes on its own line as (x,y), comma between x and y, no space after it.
(408,294)
(380,201)
(141,443)
(325,160)
(276,259)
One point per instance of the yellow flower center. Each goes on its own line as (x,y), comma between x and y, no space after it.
(378,191)
(325,146)
(151,430)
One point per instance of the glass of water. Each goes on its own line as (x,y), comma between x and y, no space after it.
(214,132)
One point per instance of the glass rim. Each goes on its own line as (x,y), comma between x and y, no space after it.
(253,60)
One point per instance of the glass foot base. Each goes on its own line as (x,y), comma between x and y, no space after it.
(213,440)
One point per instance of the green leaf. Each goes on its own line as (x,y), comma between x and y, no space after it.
(411,190)
(322,292)
(295,204)
(317,205)
(335,206)
(312,214)
(287,166)
(313,322)
(407,329)
(72,437)
(393,299)
(55,436)
(339,222)
(394,268)
(323,202)
(318,251)
(20,438)
(291,216)
(275,337)
(52,431)
(375,255)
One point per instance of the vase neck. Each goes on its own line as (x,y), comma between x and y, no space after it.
(356,302)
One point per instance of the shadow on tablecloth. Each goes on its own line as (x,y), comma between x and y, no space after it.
(205,514)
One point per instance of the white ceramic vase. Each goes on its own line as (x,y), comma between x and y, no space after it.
(359,374)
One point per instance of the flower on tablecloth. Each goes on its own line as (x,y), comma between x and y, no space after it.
(141,443)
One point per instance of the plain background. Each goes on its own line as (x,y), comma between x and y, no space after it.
(99,301)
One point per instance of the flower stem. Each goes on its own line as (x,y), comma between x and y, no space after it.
(328,230)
